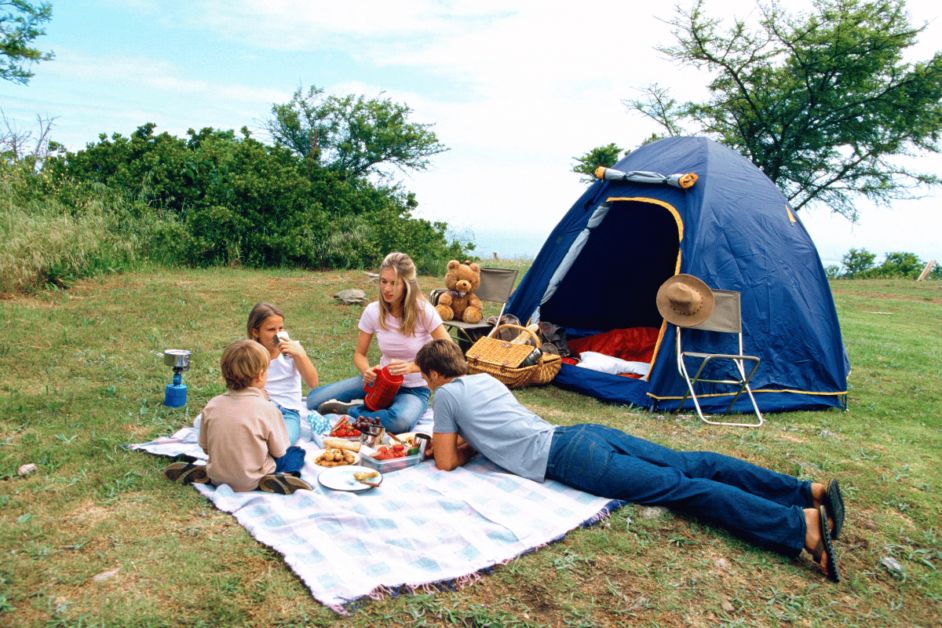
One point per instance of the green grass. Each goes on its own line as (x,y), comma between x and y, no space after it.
(80,380)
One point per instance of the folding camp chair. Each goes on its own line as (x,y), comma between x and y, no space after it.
(496,286)
(726,318)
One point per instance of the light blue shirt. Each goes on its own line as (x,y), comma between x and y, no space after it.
(482,411)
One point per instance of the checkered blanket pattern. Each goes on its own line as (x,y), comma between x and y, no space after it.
(421,529)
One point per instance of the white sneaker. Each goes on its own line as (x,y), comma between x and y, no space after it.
(333,406)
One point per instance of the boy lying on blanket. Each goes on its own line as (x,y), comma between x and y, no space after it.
(477,413)
(243,433)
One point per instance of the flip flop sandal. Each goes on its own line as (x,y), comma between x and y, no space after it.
(282,484)
(835,504)
(186,473)
(825,548)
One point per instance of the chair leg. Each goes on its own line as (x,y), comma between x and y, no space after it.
(690,384)
(744,385)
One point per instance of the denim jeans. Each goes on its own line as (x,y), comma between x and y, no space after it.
(759,505)
(406,409)
(292,462)
(292,423)
(344,390)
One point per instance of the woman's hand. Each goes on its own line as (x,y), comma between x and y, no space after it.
(369,376)
(401,367)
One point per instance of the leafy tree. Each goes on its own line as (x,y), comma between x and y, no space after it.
(899,264)
(223,199)
(20,22)
(823,103)
(351,135)
(604,156)
(857,262)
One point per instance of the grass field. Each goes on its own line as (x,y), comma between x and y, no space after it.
(80,380)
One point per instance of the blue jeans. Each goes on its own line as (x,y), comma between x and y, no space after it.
(406,409)
(759,505)
(292,462)
(292,423)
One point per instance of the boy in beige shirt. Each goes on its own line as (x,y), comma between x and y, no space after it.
(243,433)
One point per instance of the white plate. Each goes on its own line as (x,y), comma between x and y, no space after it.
(341,479)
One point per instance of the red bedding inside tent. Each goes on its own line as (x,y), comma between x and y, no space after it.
(634,345)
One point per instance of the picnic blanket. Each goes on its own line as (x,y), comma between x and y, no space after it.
(422,529)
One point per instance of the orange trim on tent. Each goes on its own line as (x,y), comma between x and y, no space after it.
(680,238)
(791,216)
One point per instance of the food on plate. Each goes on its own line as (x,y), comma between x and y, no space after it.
(338,443)
(406,439)
(411,441)
(365,475)
(335,458)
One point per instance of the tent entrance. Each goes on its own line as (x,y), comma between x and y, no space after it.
(629,248)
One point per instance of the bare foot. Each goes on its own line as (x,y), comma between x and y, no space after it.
(812,529)
(819,493)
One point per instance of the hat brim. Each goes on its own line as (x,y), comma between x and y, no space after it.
(684,320)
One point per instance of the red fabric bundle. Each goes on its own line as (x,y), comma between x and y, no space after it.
(635,344)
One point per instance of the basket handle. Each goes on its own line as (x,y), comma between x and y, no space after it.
(535,337)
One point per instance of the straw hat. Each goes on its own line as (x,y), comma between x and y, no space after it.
(685,301)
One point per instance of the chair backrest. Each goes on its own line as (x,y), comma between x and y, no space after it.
(726,315)
(496,284)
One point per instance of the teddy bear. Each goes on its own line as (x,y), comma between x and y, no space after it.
(460,303)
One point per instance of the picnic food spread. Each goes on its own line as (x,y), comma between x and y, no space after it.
(345,430)
(388,453)
(364,423)
(338,453)
(335,458)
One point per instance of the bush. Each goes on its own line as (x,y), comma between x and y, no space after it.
(213,199)
(235,201)
(859,264)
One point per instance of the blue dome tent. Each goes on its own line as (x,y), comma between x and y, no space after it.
(601,267)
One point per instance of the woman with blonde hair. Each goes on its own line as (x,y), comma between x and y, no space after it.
(402,321)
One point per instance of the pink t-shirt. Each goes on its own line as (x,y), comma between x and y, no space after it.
(395,345)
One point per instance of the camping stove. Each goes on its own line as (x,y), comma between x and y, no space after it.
(179,360)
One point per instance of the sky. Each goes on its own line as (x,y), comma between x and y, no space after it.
(516,89)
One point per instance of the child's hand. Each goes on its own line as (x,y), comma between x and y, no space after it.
(292,348)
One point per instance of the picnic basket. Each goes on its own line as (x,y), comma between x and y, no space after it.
(503,360)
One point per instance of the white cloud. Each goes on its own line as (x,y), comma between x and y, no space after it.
(138,72)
